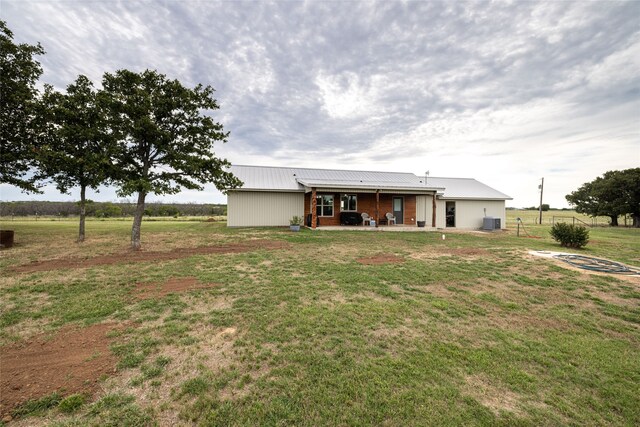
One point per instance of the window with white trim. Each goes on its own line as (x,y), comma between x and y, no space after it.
(324,205)
(349,203)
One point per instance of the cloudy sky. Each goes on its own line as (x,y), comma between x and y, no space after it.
(505,92)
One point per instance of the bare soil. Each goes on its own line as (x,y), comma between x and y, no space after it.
(71,361)
(173,285)
(142,256)
(380,259)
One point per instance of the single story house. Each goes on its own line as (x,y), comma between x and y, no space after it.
(271,196)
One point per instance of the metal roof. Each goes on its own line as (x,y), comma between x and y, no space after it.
(269,178)
(466,188)
(364,184)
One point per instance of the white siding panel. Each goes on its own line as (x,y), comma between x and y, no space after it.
(258,208)
(441,220)
(424,209)
(470,213)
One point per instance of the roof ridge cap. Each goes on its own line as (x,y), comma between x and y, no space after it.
(324,169)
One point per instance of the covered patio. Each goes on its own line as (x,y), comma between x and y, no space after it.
(380,228)
(389,207)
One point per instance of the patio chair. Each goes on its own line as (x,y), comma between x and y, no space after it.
(366,219)
(390,218)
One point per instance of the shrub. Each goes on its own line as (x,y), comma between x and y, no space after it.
(296,220)
(168,210)
(108,210)
(569,235)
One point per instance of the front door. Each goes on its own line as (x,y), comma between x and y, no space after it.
(398,209)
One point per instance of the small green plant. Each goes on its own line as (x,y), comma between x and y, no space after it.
(117,410)
(196,386)
(569,235)
(296,220)
(71,403)
(37,406)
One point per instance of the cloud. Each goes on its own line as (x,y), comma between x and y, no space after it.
(506,92)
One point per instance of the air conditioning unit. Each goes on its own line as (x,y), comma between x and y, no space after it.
(491,223)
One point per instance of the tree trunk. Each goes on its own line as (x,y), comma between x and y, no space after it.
(614,220)
(636,220)
(137,222)
(83,213)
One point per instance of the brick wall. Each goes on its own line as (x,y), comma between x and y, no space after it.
(366,203)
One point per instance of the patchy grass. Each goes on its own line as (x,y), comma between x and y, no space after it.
(37,406)
(71,403)
(465,331)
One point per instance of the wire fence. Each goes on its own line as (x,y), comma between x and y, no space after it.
(529,217)
(75,218)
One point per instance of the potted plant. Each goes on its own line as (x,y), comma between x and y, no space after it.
(294,223)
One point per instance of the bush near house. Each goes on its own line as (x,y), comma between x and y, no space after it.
(569,235)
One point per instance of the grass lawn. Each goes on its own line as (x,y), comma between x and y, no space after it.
(469,330)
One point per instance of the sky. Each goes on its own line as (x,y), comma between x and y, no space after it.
(504,92)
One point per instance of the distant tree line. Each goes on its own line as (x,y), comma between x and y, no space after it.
(545,208)
(109,209)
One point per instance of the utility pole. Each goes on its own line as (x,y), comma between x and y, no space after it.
(541,187)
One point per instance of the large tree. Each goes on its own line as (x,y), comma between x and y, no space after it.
(613,194)
(165,137)
(19,72)
(77,152)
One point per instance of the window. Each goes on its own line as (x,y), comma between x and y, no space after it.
(324,206)
(349,202)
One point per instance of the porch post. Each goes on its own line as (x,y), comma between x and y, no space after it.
(314,203)
(433,215)
(377,208)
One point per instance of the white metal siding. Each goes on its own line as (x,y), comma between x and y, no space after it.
(257,208)
(427,216)
(441,220)
(470,213)
(424,209)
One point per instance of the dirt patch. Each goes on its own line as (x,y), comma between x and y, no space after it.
(173,285)
(380,259)
(142,256)
(465,251)
(71,361)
